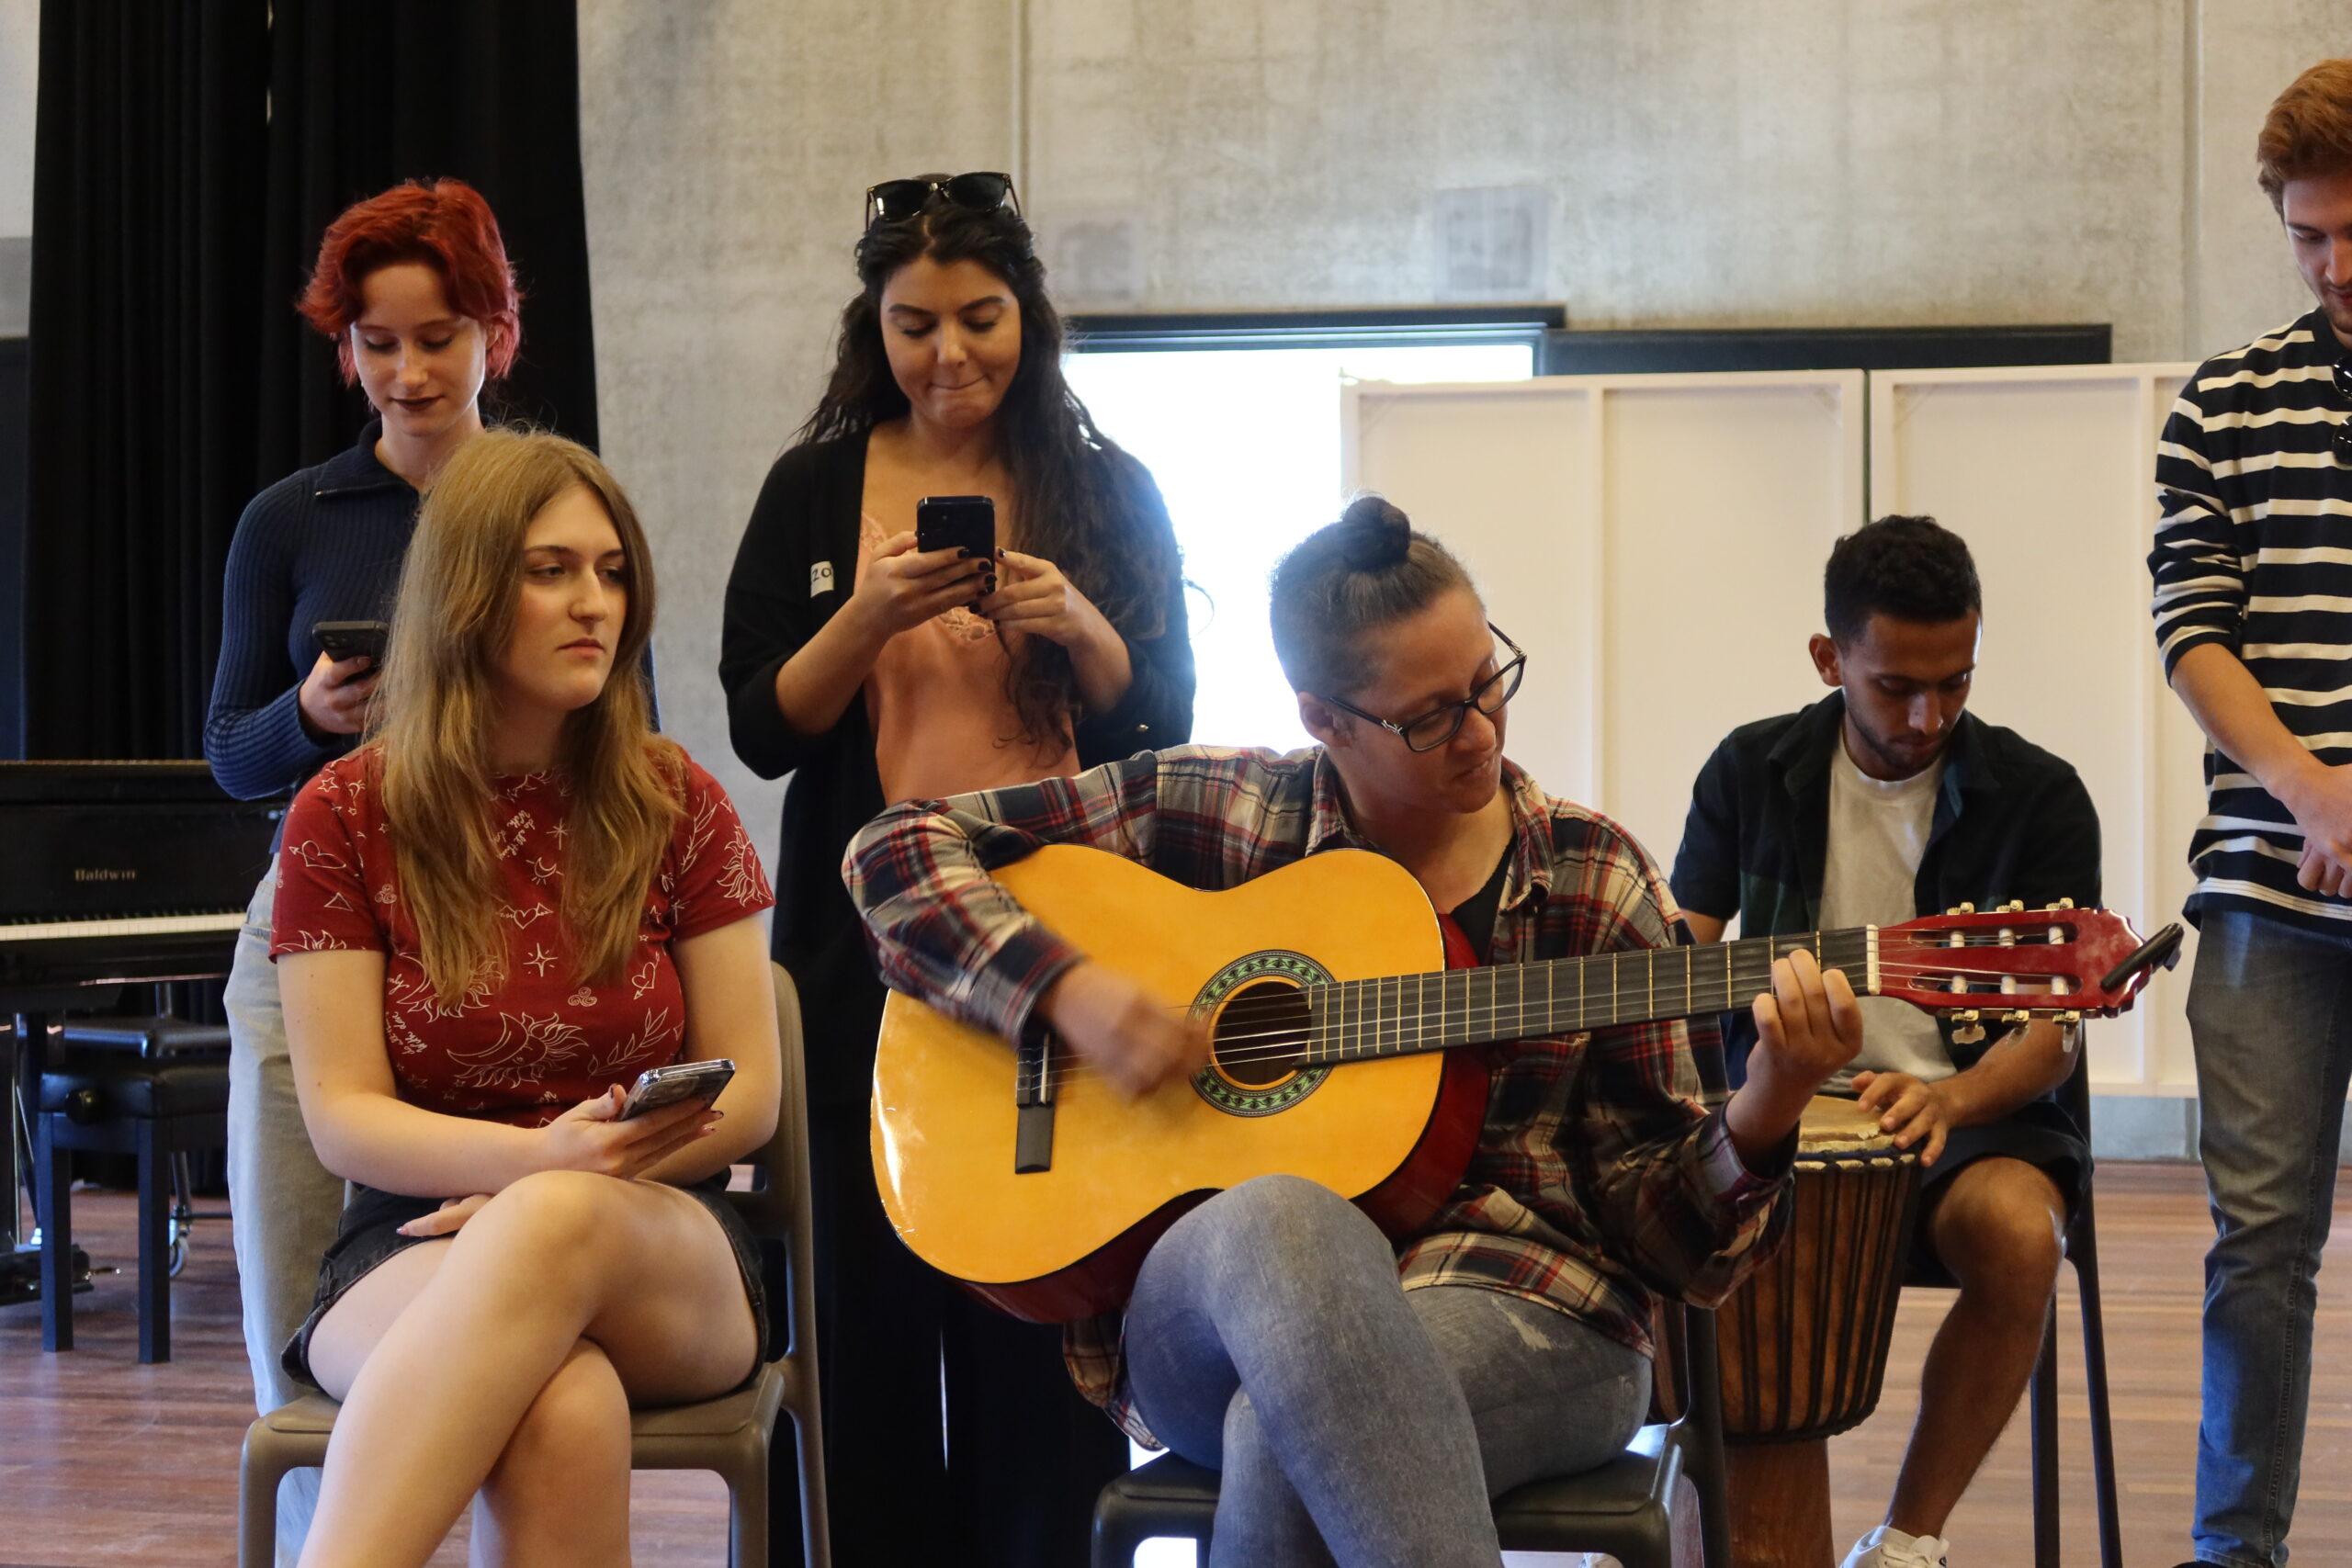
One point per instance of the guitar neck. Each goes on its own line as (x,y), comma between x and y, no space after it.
(1398,1015)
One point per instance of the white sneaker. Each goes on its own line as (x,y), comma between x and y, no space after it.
(1886,1547)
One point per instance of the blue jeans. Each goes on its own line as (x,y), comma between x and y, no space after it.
(1356,1422)
(286,1204)
(2271,1013)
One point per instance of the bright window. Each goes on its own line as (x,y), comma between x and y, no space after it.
(1244,443)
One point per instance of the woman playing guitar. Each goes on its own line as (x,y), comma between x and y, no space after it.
(1363,1397)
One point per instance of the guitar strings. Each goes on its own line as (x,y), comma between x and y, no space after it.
(1254,1008)
(1254,1011)
(1292,1040)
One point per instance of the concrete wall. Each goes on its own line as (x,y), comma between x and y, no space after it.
(1727,163)
(728,144)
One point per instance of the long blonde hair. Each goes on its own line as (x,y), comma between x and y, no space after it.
(436,709)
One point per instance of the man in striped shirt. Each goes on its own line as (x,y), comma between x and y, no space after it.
(2253,567)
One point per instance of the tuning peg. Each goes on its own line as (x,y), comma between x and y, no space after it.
(2014,906)
(1970,1030)
(1961,909)
(2020,1016)
(2063,904)
(2069,1020)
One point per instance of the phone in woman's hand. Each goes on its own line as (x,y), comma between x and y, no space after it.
(340,641)
(673,1085)
(949,521)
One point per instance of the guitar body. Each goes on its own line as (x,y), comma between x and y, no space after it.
(1393,1133)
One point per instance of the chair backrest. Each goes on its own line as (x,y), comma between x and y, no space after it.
(771,1204)
(777,1205)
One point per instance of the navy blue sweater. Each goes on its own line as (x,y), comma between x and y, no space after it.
(321,545)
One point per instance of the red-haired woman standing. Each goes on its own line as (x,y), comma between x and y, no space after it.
(414,288)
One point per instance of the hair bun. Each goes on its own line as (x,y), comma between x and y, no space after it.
(1375,535)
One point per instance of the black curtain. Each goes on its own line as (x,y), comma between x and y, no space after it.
(187,159)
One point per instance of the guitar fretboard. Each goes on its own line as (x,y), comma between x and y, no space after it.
(1400,1014)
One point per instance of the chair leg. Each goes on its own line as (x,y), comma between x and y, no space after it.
(747,1494)
(816,1525)
(183,1219)
(154,1249)
(2082,1246)
(54,1208)
(257,1479)
(2045,1443)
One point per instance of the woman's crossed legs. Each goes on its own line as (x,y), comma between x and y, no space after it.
(504,1360)
(1355,1421)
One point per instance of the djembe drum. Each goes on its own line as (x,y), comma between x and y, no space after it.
(1804,1339)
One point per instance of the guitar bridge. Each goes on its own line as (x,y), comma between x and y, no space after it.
(1032,1093)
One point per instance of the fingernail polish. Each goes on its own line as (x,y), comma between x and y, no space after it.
(962,554)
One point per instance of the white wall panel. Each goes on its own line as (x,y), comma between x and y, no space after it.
(1654,542)
(1509,478)
(2047,473)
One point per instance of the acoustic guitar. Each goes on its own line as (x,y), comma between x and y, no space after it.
(1019,1172)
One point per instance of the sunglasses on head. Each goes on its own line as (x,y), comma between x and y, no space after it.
(894,201)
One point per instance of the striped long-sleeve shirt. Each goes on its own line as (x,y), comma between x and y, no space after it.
(2254,552)
(1604,1172)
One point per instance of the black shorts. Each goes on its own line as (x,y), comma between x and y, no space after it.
(2038,1133)
(370,1234)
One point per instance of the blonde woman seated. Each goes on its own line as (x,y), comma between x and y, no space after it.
(489,920)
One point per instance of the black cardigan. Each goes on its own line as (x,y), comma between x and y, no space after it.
(796,566)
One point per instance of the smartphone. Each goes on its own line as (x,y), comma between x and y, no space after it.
(680,1081)
(340,641)
(946,521)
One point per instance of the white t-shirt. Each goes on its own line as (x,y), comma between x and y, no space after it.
(1878,832)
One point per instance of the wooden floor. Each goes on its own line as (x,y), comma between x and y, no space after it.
(105,1463)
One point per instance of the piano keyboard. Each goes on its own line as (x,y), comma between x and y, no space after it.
(133,925)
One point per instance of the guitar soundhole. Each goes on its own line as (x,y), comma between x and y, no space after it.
(1261,1034)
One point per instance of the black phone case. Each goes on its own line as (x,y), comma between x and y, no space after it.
(947,522)
(340,641)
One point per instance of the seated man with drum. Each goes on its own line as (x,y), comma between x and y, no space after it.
(1365,1395)
(1883,801)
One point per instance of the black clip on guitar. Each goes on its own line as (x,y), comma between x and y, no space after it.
(2161,951)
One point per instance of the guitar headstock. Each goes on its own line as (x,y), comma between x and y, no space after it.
(2058,961)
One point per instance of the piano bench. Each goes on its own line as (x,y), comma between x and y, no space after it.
(153,1038)
(116,1103)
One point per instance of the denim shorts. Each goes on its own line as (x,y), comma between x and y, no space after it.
(370,1234)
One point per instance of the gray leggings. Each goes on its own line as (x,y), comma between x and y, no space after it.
(1355,1422)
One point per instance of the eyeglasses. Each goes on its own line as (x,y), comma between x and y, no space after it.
(894,201)
(2343,438)
(1441,724)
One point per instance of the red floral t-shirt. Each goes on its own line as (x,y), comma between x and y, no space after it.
(526,1047)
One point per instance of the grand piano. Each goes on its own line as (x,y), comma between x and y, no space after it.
(112,874)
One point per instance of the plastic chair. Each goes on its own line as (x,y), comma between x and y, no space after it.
(729,1434)
(1638,1507)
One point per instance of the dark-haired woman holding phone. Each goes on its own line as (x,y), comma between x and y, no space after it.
(872,671)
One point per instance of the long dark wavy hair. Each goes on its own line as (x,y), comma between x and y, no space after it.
(1066,474)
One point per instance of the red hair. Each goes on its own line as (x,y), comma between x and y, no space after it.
(2308,131)
(445,225)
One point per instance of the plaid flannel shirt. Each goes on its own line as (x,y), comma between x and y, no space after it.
(1603,1173)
